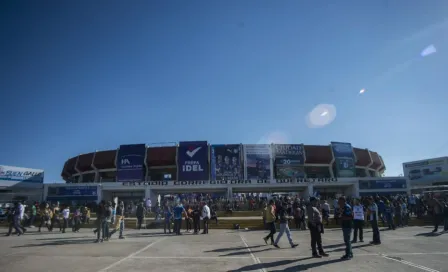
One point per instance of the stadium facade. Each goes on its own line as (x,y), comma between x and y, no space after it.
(18,183)
(139,171)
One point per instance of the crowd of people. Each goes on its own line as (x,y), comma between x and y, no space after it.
(353,215)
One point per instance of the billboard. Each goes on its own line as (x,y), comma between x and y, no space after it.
(131,163)
(344,159)
(289,161)
(257,161)
(72,192)
(192,161)
(382,184)
(12,173)
(225,162)
(427,170)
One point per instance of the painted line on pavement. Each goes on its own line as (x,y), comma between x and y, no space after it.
(411,264)
(255,259)
(130,256)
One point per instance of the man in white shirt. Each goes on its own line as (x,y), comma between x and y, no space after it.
(358,221)
(205,217)
(65,216)
(325,207)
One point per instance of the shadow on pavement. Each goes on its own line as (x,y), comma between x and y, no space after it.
(61,242)
(429,234)
(333,246)
(300,267)
(244,252)
(353,247)
(134,235)
(232,248)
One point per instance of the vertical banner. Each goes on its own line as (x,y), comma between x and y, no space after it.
(258,161)
(131,162)
(192,161)
(344,159)
(289,161)
(225,162)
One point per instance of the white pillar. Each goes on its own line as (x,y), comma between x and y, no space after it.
(45,192)
(99,191)
(229,192)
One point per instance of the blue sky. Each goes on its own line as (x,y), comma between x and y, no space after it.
(86,75)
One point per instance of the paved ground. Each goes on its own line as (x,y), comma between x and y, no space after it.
(409,249)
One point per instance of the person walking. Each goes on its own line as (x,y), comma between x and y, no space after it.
(358,221)
(65,217)
(178,211)
(316,228)
(270,222)
(347,226)
(119,221)
(373,219)
(100,221)
(284,219)
(196,214)
(205,217)
(140,213)
(167,219)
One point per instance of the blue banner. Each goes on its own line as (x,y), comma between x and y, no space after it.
(383,193)
(225,162)
(289,161)
(192,161)
(131,163)
(74,191)
(344,159)
(382,184)
(258,161)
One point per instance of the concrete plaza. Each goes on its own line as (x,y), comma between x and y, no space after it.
(409,249)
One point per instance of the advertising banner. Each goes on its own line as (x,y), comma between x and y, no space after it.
(382,184)
(226,162)
(131,163)
(427,170)
(11,173)
(73,192)
(344,159)
(192,161)
(289,161)
(257,161)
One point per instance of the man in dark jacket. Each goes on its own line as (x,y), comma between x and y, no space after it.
(100,221)
(196,214)
(140,213)
(283,217)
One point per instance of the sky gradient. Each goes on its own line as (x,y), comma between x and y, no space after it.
(91,75)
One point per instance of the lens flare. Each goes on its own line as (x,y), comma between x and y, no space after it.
(322,115)
(431,49)
(275,137)
(362,91)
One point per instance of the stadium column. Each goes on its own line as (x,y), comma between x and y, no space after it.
(309,191)
(99,190)
(229,192)
(45,192)
(151,195)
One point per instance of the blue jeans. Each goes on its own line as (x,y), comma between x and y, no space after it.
(347,233)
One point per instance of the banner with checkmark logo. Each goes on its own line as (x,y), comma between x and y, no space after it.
(192,161)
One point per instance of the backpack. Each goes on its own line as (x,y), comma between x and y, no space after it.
(108,212)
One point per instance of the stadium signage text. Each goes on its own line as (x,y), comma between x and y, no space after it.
(228,182)
(194,182)
(307,180)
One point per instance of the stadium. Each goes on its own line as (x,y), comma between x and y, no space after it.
(141,172)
